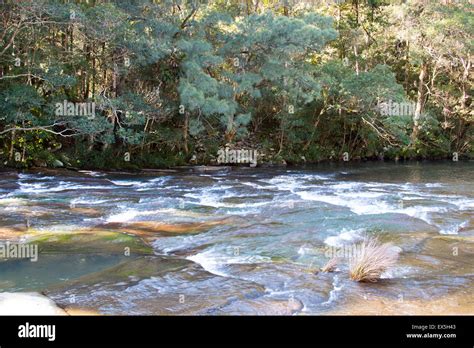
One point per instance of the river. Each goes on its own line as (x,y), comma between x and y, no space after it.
(242,240)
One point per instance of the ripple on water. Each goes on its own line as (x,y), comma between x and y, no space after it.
(251,241)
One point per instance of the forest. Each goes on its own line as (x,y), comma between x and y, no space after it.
(155,84)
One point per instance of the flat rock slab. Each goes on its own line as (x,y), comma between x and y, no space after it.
(154,286)
(28,303)
(90,242)
(155,229)
(203,169)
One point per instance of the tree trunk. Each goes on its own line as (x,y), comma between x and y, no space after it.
(407,65)
(12,144)
(185,132)
(356,55)
(419,102)
(285,8)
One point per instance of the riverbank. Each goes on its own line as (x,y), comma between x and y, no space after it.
(199,169)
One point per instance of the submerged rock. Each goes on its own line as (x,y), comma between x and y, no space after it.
(460,303)
(86,211)
(50,269)
(452,254)
(155,229)
(12,233)
(91,242)
(154,286)
(203,169)
(263,306)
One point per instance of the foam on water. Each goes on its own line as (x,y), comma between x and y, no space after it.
(92,173)
(464,203)
(210,198)
(126,182)
(356,203)
(253,185)
(397,272)
(333,294)
(8,200)
(129,213)
(89,201)
(362,202)
(123,216)
(433,185)
(23,176)
(214,262)
(289,182)
(141,185)
(39,188)
(345,237)
(454,229)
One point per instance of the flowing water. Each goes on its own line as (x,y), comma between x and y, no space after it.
(242,241)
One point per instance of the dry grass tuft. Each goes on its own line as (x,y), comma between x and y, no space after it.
(331,265)
(372,259)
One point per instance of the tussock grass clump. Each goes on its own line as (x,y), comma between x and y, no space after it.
(331,265)
(372,260)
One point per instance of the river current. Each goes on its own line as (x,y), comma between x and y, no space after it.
(242,240)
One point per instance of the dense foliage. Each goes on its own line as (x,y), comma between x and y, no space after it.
(174,80)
